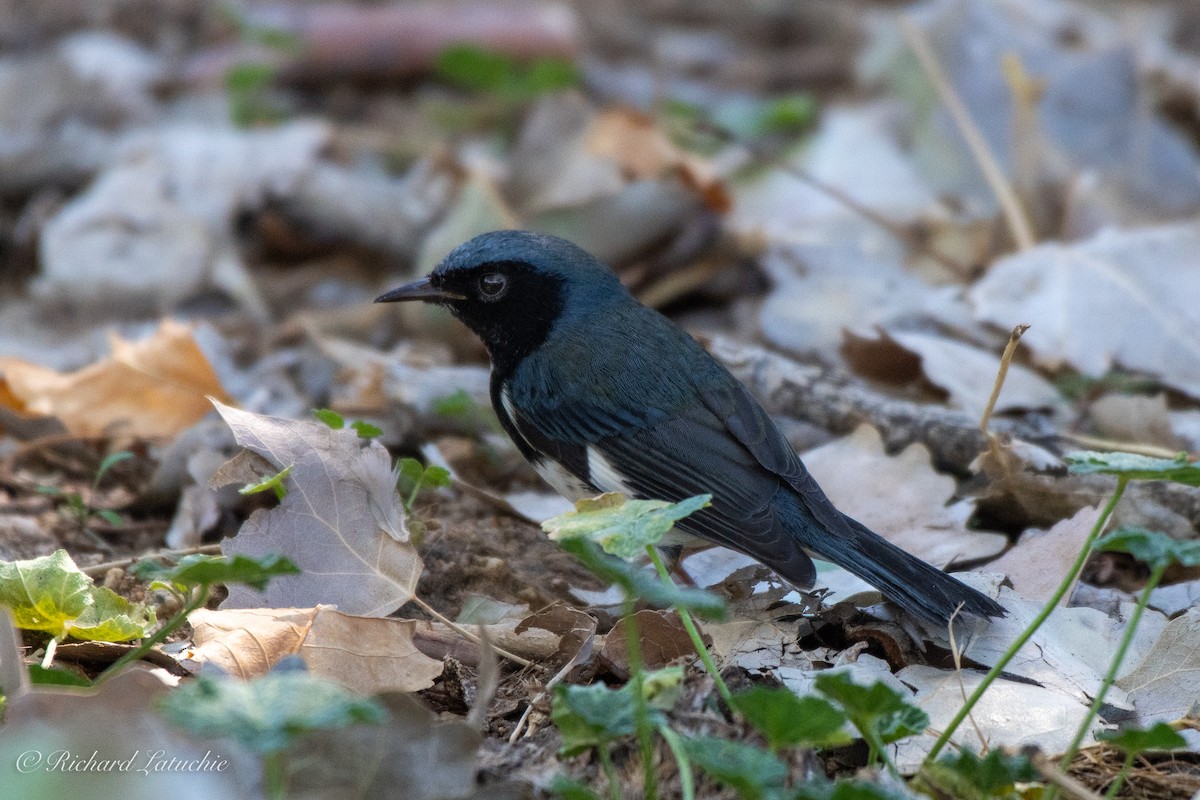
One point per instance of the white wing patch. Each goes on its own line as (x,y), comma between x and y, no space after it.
(563,482)
(604,475)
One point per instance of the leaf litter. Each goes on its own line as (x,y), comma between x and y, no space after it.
(917,310)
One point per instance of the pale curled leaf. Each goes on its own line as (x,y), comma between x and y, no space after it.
(325,524)
(367,655)
(904,500)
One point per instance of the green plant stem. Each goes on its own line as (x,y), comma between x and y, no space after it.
(1110,677)
(199,598)
(1119,781)
(1114,666)
(610,772)
(686,783)
(412,497)
(273,776)
(1027,634)
(637,675)
(692,631)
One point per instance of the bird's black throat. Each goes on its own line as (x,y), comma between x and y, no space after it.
(516,325)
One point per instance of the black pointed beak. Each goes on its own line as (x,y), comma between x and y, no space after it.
(422,289)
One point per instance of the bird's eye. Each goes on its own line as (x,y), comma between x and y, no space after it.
(493,286)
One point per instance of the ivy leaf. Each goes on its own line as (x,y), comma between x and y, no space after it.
(366,430)
(1153,548)
(265,714)
(590,716)
(788,720)
(965,775)
(1160,736)
(623,527)
(641,584)
(112,618)
(1132,466)
(202,570)
(878,707)
(45,594)
(751,772)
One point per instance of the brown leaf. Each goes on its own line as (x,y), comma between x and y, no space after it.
(904,499)
(1036,564)
(328,523)
(367,655)
(151,388)
(663,640)
(247,642)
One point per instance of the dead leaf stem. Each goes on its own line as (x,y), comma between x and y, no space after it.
(1014,213)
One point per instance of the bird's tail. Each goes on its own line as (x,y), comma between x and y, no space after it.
(920,588)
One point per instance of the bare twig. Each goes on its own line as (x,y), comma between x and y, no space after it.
(99,570)
(1014,214)
(584,652)
(1005,359)
(956,652)
(1051,774)
(488,681)
(463,632)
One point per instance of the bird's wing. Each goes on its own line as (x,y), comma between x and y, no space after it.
(746,420)
(692,452)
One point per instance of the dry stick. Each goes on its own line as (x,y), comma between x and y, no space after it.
(1014,215)
(956,652)
(1006,357)
(1100,443)
(799,173)
(466,634)
(584,652)
(1049,773)
(98,570)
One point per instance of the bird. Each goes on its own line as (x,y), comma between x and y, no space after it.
(601,393)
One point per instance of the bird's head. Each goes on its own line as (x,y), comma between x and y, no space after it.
(512,288)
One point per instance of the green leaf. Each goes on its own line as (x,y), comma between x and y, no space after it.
(1153,548)
(1135,467)
(435,477)
(475,69)
(751,772)
(788,720)
(455,404)
(265,714)
(589,716)
(570,789)
(45,594)
(547,75)
(112,618)
(966,775)
(410,471)
(878,707)
(330,417)
(623,527)
(271,482)
(639,583)
(845,790)
(662,688)
(55,676)
(109,461)
(202,570)
(366,430)
(1160,736)
(111,517)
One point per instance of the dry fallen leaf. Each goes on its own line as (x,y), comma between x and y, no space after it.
(156,387)
(328,523)
(1036,564)
(1165,685)
(1121,297)
(964,372)
(663,640)
(900,497)
(367,655)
